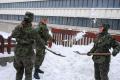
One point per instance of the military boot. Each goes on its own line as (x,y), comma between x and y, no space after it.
(36,75)
(40,71)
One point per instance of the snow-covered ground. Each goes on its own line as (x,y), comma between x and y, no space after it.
(6,54)
(71,67)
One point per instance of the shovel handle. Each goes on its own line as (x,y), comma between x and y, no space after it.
(96,54)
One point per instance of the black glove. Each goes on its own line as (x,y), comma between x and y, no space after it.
(89,53)
(115,51)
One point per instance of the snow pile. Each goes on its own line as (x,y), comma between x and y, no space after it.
(6,54)
(50,33)
(80,35)
(5,34)
(71,67)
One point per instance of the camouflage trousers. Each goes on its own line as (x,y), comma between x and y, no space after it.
(40,55)
(22,64)
(101,71)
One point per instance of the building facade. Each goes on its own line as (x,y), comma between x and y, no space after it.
(80,13)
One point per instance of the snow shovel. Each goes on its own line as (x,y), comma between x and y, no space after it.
(97,54)
(55,53)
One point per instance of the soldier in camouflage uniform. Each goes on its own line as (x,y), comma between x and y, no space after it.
(102,44)
(40,52)
(25,36)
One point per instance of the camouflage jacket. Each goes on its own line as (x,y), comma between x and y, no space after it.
(43,32)
(102,44)
(25,37)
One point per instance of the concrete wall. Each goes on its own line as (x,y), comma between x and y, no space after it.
(105,13)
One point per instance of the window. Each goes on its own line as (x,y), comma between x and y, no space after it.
(19,4)
(11,5)
(76,3)
(22,4)
(71,21)
(50,19)
(115,24)
(53,20)
(0,16)
(38,4)
(0,5)
(61,20)
(68,3)
(90,3)
(64,2)
(110,22)
(47,3)
(88,22)
(84,22)
(105,3)
(54,3)
(50,3)
(64,20)
(68,21)
(100,3)
(79,22)
(110,3)
(30,4)
(95,3)
(75,22)
(80,3)
(104,21)
(72,3)
(85,3)
(15,5)
(6,5)
(41,3)
(116,3)
(118,27)
(57,20)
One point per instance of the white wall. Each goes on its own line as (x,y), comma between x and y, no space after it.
(9,1)
(109,13)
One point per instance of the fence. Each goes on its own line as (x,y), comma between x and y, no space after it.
(61,36)
(66,37)
(6,44)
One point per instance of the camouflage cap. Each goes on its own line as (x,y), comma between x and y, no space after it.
(106,26)
(29,16)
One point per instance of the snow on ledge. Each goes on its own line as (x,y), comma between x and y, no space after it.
(5,34)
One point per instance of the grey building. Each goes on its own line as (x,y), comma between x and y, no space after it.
(79,13)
